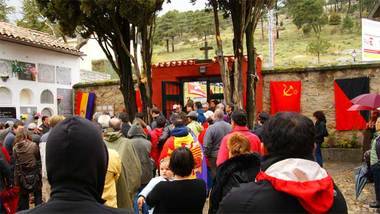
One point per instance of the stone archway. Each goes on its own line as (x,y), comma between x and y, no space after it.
(47,112)
(6,96)
(26,97)
(47,97)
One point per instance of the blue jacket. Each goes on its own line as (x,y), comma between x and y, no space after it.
(201,116)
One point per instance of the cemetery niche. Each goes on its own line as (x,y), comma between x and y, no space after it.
(63,75)
(24,70)
(46,73)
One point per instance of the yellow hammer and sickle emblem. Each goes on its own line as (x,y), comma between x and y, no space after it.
(289,90)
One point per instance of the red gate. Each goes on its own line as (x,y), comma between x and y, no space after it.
(171,94)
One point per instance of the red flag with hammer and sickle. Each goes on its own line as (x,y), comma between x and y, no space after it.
(285,96)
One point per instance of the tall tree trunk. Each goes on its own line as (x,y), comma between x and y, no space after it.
(318,54)
(360,11)
(121,47)
(167,45)
(251,89)
(349,6)
(173,44)
(146,52)
(262,29)
(224,71)
(126,83)
(238,27)
(238,87)
(277,28)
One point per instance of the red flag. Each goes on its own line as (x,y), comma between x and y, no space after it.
(78,98)
(285,96)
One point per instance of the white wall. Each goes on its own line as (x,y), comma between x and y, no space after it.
(12,51)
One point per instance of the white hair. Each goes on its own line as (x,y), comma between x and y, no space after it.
(104,121)
(218,114)
(220,106)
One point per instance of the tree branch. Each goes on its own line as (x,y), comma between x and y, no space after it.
(125,48)
(108,54)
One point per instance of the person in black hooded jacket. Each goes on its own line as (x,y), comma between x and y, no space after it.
(290,180)
(241,167)
(76,162)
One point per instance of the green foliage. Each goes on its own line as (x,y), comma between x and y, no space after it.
(318,46)
(347,144)
(335,19)
(32,18)
(306,29)
(368,5)
(350,143)
(5,11)
(186,25)
(307,12)
(331,140)
(98,16)
(348,24)
(103,65)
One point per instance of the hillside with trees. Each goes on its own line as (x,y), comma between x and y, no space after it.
(307,30)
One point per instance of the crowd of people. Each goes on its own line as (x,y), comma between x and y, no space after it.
(170,165)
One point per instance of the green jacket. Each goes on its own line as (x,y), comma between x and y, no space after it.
(375,144)
(129,180)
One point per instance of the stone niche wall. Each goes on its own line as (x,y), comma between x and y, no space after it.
(318,88)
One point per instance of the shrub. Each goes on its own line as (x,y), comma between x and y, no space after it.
(348,24)
(335,19)
(331,140)
(306,29)
(334,30)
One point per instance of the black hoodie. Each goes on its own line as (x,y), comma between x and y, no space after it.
(76,162)
(233,172)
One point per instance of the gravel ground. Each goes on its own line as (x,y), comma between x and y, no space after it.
(343,174)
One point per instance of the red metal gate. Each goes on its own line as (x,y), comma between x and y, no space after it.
(171,94)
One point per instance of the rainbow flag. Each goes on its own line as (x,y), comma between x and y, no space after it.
(84,104)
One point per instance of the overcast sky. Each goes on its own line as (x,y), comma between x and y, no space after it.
(180,5)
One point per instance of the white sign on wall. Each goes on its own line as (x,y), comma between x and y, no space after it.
(370,40)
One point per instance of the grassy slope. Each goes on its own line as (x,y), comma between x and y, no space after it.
(290,48)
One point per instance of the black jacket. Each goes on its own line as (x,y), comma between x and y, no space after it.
(261,197)
(76,163)
(125,128)
(320,131)
(5,172)
(233,172)
(258,131)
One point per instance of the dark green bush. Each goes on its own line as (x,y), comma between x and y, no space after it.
(348,24)
(335,19)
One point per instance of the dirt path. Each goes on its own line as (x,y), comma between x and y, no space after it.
(343,174)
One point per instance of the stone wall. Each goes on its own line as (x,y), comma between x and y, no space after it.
(107,94)
(318,88)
